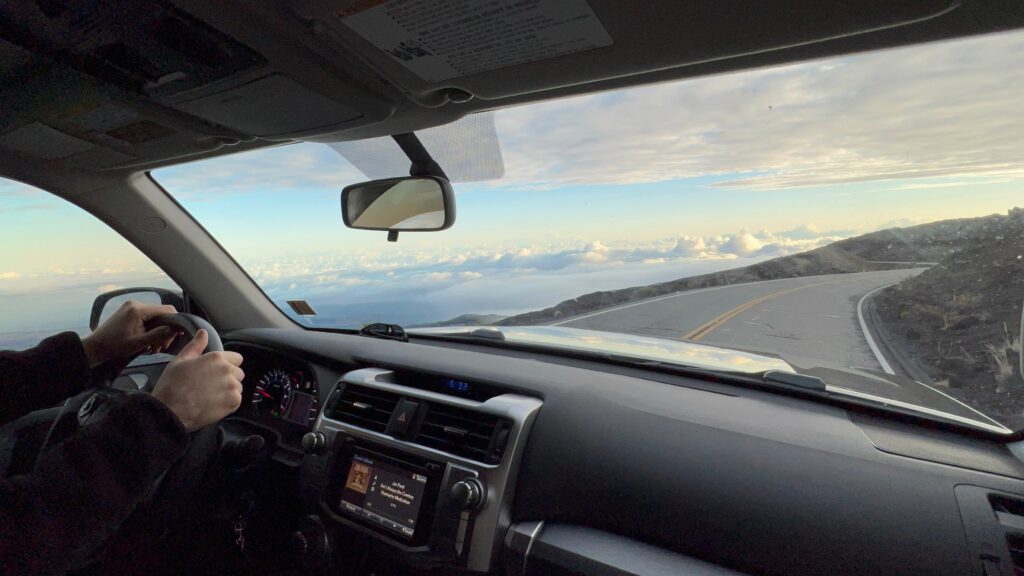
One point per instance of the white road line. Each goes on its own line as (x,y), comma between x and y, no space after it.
(911,263)
(885,363)
(867,333)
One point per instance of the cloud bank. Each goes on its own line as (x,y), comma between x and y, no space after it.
(430,286)
(924,111)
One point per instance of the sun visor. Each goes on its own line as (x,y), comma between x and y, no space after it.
(271,106)
(42,141)
(504,48)
(467,150)
(440,41)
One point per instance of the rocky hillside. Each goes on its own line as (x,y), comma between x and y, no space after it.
(880,250)
(465,320)
(960,320)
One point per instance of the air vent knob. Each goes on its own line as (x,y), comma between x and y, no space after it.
(468,494)
(314,442)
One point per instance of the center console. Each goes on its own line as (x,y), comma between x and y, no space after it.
(423,464)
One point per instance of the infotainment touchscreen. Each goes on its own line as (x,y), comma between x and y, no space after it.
(384,494)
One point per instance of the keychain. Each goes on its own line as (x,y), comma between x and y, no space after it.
(239,529)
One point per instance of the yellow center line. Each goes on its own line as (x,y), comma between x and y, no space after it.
(716,322)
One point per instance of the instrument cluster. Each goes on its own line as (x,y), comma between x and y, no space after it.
(286,395)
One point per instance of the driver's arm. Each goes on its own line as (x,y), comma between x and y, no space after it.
(60,366)
(58,517)
(42,376)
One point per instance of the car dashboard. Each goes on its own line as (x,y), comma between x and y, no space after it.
(421,461)
(469,459)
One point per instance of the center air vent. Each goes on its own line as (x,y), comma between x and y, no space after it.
(464,432)
(365,407)
(1010,515)
(994,523)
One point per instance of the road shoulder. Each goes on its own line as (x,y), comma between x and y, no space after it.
(888,343)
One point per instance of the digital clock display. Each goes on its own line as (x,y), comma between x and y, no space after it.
(457,386)
(449,384)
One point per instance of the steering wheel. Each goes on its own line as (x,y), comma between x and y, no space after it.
(205,443)
(189,324)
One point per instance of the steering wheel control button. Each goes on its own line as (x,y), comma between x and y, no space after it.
(95,406)
(86,410)
(403,417)
(314,442)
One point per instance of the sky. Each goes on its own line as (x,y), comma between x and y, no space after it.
(598,192)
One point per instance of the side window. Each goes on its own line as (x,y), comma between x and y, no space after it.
(55,259)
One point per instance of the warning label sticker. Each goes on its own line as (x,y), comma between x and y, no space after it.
(443,39)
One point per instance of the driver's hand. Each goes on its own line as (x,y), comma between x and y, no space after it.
(201,388)
(124,335)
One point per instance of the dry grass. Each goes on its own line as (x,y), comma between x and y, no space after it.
(1005,356)
(948,320)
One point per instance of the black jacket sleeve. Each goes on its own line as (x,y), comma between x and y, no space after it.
(57,518)
(41,377)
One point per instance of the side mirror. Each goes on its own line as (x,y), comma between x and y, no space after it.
(408,204)
(108,302)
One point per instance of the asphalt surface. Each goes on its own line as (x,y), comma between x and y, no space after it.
(809,317)
(807,321)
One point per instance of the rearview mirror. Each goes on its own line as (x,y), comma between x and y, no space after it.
(408,204)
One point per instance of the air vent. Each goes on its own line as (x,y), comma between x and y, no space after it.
(464,432)
(365,407)
(1015,542)
(1010,514)
(1009,511)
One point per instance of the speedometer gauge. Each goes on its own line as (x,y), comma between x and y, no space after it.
(292,397)
(273,392)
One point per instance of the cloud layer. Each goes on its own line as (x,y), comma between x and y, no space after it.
(925,111)
(449,282)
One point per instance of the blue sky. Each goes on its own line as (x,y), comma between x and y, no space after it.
(598,192)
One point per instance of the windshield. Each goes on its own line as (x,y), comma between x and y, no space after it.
(854,215)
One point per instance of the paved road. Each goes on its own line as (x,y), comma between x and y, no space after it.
(805,320)
(810,317)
